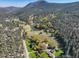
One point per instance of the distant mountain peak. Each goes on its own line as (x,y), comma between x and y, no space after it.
(41,1)
(38,3)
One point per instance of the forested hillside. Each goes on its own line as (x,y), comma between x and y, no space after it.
(48,29)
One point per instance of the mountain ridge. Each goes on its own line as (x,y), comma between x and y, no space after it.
(40,7)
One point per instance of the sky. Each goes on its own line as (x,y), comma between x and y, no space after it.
(21,3)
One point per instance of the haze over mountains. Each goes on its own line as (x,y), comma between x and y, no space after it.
(8,9)
(43,6)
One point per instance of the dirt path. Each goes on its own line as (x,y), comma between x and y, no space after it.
(25,50)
